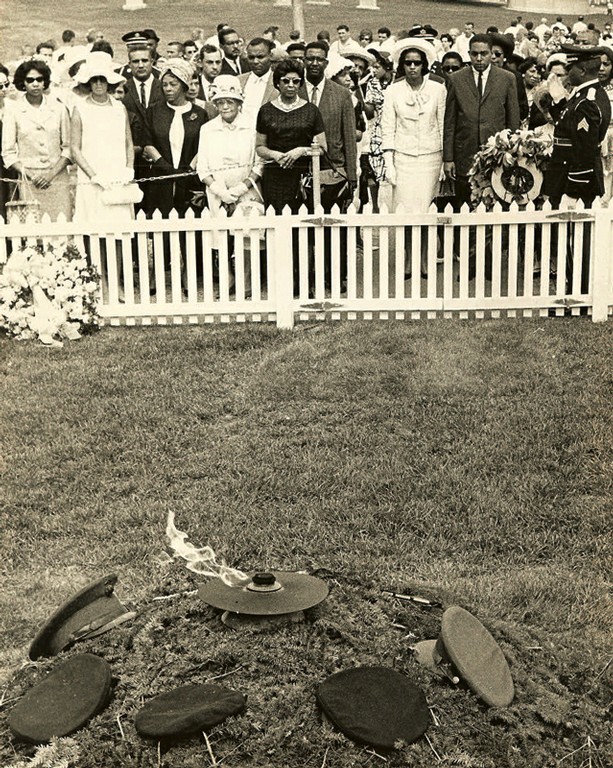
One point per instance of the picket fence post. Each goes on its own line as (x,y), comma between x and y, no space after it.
(283,259)
(601,265)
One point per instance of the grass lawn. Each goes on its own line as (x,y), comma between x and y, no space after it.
(174,19)
(467,462)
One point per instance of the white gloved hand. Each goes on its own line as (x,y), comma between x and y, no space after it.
(222,192)
(127,175)
(101,181)
(238,190)
(390,169)
(555,88)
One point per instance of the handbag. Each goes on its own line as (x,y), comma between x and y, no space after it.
(122,194)
(22,204)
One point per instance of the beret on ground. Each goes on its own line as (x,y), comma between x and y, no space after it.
(477,657)
(186,710)
(64,701)
(375,705)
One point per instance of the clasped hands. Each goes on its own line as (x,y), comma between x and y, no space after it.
(287,159)
(229,195)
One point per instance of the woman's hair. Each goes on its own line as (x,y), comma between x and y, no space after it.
(284,67)
(424,62)
(4,70)
(527,64)
(19,79)
(104,46)
(446,36)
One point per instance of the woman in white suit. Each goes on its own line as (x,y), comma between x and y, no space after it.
(412,128)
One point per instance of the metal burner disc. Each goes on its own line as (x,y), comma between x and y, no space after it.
(297,592)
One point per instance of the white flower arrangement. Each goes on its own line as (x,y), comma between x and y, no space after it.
(508,167)
(48,293)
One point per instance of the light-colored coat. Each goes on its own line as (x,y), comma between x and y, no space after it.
(37,137)
(412,121)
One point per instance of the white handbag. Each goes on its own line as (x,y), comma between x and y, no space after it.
(122,194)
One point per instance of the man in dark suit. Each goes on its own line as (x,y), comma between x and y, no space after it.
(257,86)
(209,63)
(142,90)
(339,164)
(233,63)
(481,100)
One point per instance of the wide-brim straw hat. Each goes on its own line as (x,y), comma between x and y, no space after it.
(227,87)
(336,65)
(98,64)
(418,44)
(357,52)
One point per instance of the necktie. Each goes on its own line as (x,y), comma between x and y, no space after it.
(314,96)
(480,85)
(143,95)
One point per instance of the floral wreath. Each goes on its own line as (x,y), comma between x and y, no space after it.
(48,293)
(508,168)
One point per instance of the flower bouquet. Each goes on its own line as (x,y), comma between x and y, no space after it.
(48,293)
(508,168)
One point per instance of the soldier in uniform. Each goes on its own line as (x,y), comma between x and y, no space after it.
(580,125)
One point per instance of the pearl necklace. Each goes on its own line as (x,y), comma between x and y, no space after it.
(288,107)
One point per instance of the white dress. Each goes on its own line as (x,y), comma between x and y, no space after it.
(103,143)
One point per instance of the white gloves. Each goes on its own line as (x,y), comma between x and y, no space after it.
(555,88)
(101,181)
(127,175)
(390,168)
(238,190)
(222,192)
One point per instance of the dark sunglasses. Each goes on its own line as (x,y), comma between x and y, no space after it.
(97,79)
(451,68)
(287,81)
(5,85)
(30,80)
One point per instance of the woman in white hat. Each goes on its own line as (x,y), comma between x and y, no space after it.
(101,143)
(412,128)
(227,162)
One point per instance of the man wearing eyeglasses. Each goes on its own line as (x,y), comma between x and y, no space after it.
(481,100)
(230,43)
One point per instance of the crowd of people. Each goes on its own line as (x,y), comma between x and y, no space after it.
(222,120)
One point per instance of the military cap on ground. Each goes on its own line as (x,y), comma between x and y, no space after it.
(374,705)
(64,701)
(186,710)
(92,611)
(466,648)
(576,54)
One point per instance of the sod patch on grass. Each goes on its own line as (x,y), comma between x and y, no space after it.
(467,462)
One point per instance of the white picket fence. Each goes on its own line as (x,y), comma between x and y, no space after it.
(290,268)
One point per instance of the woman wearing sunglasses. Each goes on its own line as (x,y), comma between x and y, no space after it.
(285,129)
(450,63)
(36,141)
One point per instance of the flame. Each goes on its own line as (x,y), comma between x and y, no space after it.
(200,560)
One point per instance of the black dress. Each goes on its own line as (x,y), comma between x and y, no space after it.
(285,131)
